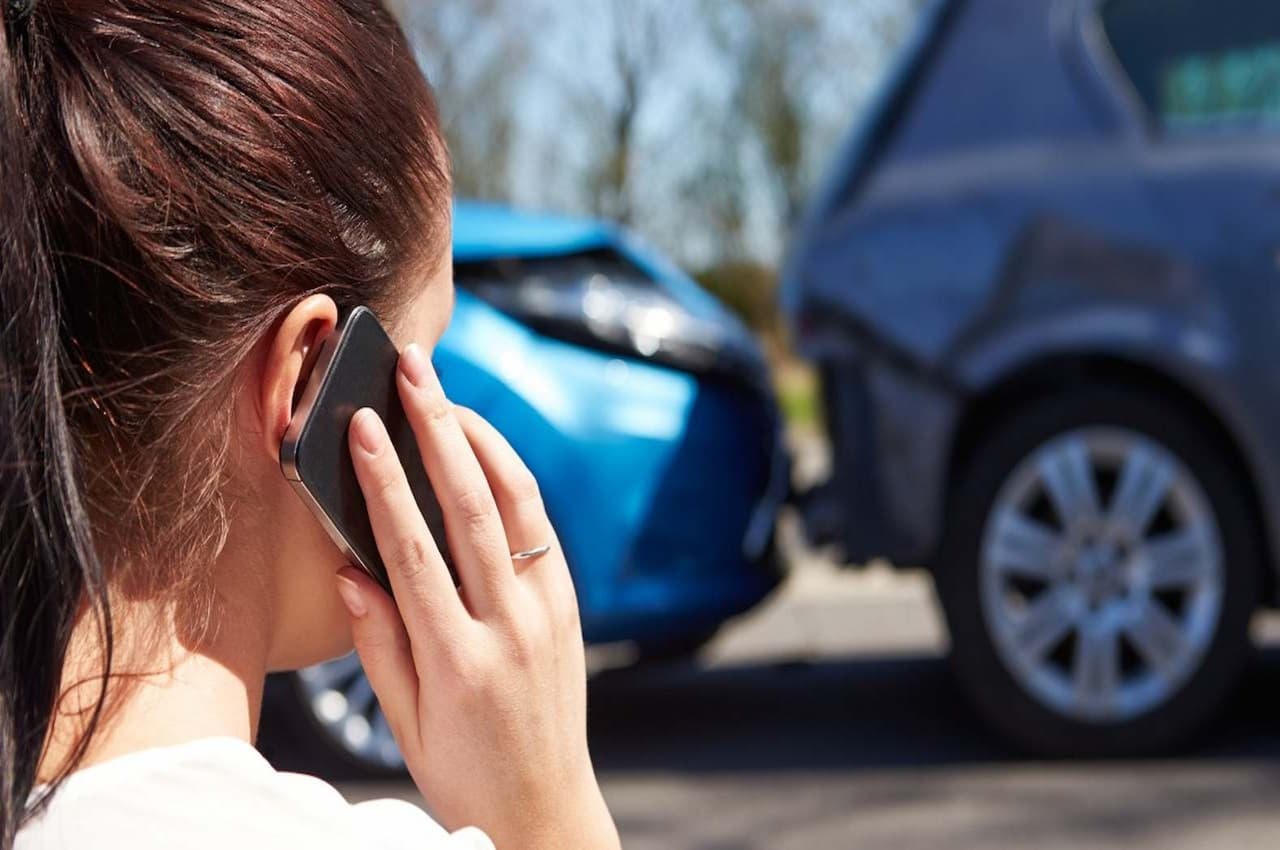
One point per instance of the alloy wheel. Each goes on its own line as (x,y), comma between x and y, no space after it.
(1102,575)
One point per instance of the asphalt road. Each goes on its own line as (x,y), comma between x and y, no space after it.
(828,718)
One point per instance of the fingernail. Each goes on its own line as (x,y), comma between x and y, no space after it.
(369,431)
(414,364)
(351,596)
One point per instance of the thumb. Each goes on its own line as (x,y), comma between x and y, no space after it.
(383,647)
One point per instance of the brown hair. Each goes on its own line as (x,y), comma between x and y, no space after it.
(175,175)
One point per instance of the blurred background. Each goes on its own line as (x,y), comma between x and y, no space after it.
(900,377)
(701,126)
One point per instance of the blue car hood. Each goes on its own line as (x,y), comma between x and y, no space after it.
(484,231)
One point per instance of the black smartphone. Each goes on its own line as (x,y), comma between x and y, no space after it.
(356,368)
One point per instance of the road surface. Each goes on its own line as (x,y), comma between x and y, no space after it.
(828,719)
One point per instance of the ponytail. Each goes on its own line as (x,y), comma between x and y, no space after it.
(47,561)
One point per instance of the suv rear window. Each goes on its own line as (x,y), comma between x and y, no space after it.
(1201,64)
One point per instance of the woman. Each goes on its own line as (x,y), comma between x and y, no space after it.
(190,193)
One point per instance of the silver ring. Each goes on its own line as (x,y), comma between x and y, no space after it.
(529,554)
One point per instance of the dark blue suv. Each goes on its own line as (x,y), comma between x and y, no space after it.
(1042,284)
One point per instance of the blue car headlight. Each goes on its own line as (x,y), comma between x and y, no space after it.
(601,300)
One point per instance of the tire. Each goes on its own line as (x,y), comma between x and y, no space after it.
(671,650)
(303,725)
(1118,681)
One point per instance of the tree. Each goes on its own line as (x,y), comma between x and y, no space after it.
(703,124)
(778,43)
(634,54)
(473,54)
(799,73)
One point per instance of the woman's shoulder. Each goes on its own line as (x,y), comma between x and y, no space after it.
(220,793)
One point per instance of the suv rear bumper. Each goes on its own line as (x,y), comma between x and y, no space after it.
(890,439)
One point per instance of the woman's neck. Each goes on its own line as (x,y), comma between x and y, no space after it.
(167,686)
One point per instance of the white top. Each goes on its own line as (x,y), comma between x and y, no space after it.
(221,794)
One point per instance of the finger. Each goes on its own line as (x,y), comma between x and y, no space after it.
(515,490)
(385,653)
(425,593)
(524,515)
(472,523)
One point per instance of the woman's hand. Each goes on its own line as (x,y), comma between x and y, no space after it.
(484,686)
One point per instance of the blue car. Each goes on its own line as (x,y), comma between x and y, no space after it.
(644,409)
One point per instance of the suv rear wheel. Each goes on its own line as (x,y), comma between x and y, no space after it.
(1098,574)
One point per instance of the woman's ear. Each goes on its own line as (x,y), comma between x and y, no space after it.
(288,357)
